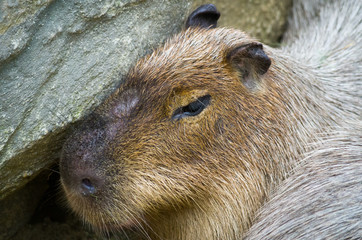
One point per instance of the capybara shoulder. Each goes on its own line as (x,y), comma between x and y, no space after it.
(322,199)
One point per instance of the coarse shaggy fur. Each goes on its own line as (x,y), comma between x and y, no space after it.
(204,177)
(322,198)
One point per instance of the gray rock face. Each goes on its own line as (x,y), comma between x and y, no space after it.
(58,59)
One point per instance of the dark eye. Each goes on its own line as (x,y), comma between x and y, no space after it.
(192,109)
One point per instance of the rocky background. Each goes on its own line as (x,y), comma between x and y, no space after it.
(58,60)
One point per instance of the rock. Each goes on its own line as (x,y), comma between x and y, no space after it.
(262,19)
(59,60)
(17,209)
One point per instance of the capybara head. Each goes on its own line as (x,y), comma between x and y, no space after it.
(191,142)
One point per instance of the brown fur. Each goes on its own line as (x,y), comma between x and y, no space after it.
(205,176)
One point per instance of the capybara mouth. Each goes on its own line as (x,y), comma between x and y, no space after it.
(114,227)
(91,209)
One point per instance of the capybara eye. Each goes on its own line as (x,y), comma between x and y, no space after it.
(192,109)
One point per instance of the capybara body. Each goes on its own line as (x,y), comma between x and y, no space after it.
(208,125)
(322,198)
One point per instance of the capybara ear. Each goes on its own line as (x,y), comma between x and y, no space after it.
(205,16)
(250,60)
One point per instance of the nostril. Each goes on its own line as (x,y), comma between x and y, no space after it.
(88,187)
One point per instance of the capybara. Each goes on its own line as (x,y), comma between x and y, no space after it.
(322,199)
(207,127)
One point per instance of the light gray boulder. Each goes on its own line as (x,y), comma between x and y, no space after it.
(58,59)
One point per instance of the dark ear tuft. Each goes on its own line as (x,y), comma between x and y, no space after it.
(205,16)
(250,60)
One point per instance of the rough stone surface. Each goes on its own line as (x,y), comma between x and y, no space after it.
(262,19)
(58,59)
